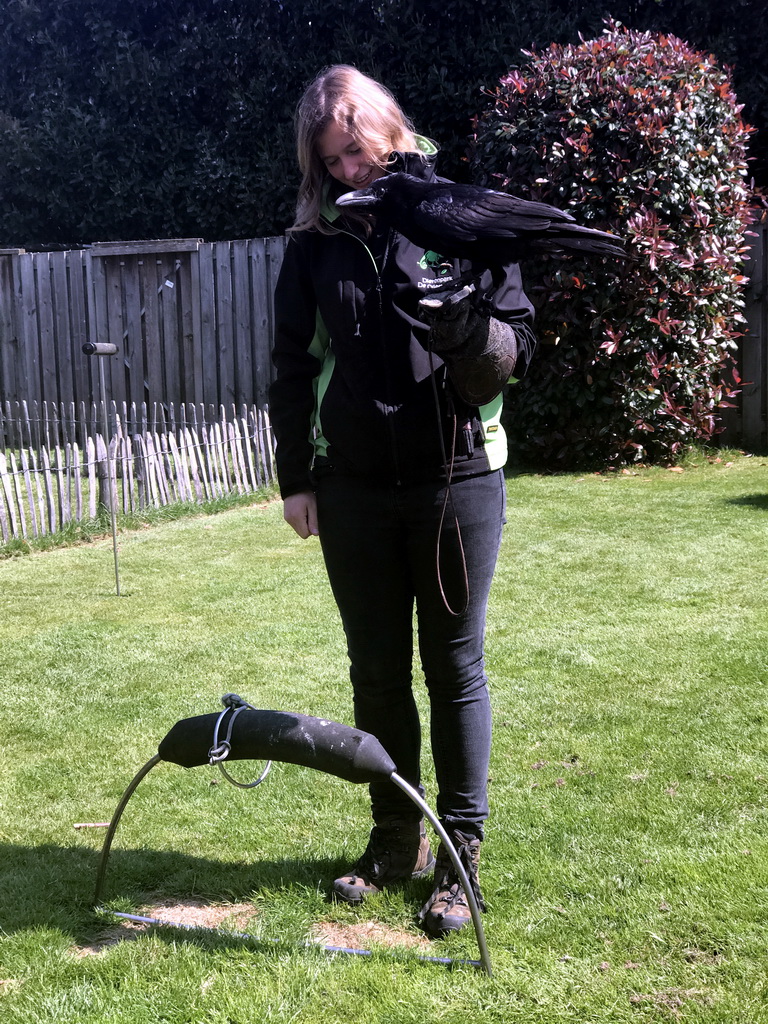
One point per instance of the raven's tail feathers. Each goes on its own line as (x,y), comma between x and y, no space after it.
(573,238)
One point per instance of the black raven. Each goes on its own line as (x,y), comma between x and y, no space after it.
(477,224)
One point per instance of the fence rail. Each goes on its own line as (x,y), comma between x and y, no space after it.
(152,459)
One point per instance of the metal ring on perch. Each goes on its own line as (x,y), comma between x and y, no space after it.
(317,743)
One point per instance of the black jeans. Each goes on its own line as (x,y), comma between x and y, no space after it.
(380,548)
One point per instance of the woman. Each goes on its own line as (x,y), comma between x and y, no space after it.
(389,448)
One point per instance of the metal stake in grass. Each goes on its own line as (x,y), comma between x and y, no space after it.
(101,349)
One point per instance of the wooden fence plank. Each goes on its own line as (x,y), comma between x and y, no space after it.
(59,480)
(185,302)
(92,309)
(38,487)
(76,470)
(260,318)
(16,478)
(170,332)
(157,469)
(29,490)
(50,505)
(11,525)
(78,326)
(5,502)
(8,427)
(133,336)
(182,490)
(91,477)
(252,477)
(192,463)
(27,297)
(68,481)
(207,279)
(11,358)
(242,318)
(140,466)
(199,454)
(101,472)
(224,323)
(114,366)
(236,456)
(99,323)
(211,461)
(174,493)
(47,333)
(149,269)
(62,384)
(220,435)
(196,341)
(128,458)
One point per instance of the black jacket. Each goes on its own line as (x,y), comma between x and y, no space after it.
(355,387)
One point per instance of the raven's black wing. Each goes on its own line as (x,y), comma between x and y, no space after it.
(465,213)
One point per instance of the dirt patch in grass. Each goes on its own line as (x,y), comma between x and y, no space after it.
(231,917)
(239,918)
(672,999)
(367,934)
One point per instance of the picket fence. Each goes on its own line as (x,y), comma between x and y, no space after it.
(153,458)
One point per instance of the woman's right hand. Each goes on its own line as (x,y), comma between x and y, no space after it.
(300,512)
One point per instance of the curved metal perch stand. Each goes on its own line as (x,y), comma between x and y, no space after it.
(297,739)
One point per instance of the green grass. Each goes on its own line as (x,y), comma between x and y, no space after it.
(626,861)
(87,530)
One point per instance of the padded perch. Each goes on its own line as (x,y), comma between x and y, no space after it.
(317,743)
(282,736)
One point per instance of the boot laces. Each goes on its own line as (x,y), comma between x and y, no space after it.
(449,890)
(383,846)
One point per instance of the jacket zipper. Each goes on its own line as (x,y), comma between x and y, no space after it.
(380,301)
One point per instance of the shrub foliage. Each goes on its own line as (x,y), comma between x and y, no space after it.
(639,134)
(162,118)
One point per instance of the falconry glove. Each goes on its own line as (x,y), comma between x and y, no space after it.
(478,350)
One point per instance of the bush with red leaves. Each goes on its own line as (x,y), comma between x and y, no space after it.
(639,134)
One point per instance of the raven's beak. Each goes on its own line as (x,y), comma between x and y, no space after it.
(360,197)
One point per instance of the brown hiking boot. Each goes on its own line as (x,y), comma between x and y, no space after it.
(396,851)
(447,909)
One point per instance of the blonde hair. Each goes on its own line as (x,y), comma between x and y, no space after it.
(357,104)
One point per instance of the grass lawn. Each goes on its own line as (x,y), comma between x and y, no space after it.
(626,861)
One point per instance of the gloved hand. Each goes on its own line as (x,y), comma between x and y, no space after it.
(452,318)
(478,350)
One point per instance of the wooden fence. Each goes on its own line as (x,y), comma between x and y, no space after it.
(192,322)
(153,459)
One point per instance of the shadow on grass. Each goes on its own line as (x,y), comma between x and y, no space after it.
(53,886)
(751,501)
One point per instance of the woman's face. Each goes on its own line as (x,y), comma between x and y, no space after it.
(344,159)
